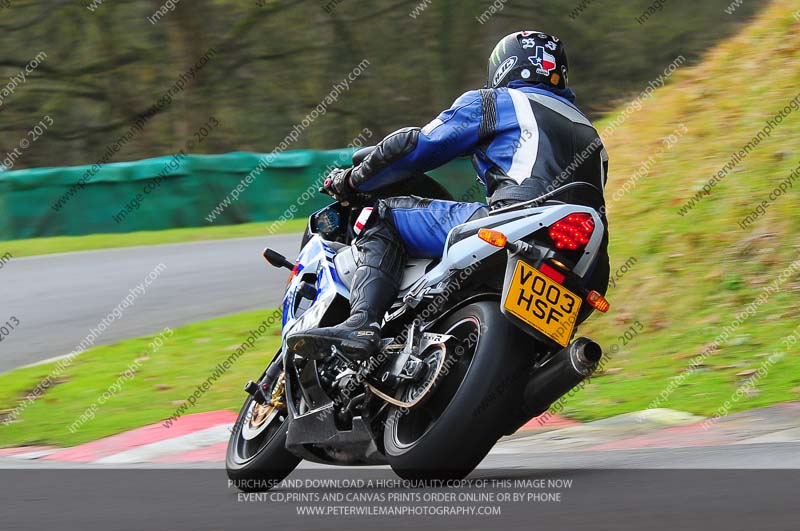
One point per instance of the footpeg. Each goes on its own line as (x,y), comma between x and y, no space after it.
(338,354)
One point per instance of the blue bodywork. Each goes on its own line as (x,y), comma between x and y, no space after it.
(315,258)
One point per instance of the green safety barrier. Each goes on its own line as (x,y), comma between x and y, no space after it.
(180,191)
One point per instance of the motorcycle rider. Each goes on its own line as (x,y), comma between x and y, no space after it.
(526,138)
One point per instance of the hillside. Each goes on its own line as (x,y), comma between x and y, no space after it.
(261,67)
(694,269)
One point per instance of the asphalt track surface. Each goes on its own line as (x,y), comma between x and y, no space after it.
(59,298)
(741,487)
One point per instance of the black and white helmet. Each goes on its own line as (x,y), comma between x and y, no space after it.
(530,56)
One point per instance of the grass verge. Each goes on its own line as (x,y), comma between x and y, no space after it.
(163,380)
(68,244)
(685,277)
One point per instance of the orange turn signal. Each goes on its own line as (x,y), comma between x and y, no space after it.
(598,302)
(493,237)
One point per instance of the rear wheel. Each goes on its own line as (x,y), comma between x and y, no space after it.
(257,458)
(485,372)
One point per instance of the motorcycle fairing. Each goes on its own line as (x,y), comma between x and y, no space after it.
(463,249)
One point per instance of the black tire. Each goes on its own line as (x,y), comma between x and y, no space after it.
(262,462)
(450,433)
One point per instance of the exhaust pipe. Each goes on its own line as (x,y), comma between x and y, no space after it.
(569,367)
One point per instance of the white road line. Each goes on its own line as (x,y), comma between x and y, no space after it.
(783,436)
(136,248)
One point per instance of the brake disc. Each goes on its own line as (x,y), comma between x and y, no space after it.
(260,416)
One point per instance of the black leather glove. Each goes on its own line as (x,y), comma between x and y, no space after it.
(337,185)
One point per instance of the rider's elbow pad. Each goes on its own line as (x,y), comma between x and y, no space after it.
(391,149)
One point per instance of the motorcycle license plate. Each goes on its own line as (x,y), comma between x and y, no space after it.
(542,303)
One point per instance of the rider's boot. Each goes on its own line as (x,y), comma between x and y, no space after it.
(375,285)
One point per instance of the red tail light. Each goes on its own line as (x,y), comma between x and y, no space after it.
(551,272)
(572,232)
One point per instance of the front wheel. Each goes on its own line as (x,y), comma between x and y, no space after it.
(483,380)
(257,458)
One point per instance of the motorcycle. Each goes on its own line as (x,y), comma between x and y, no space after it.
(476,344)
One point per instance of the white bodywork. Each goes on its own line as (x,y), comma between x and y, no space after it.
(422,278)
